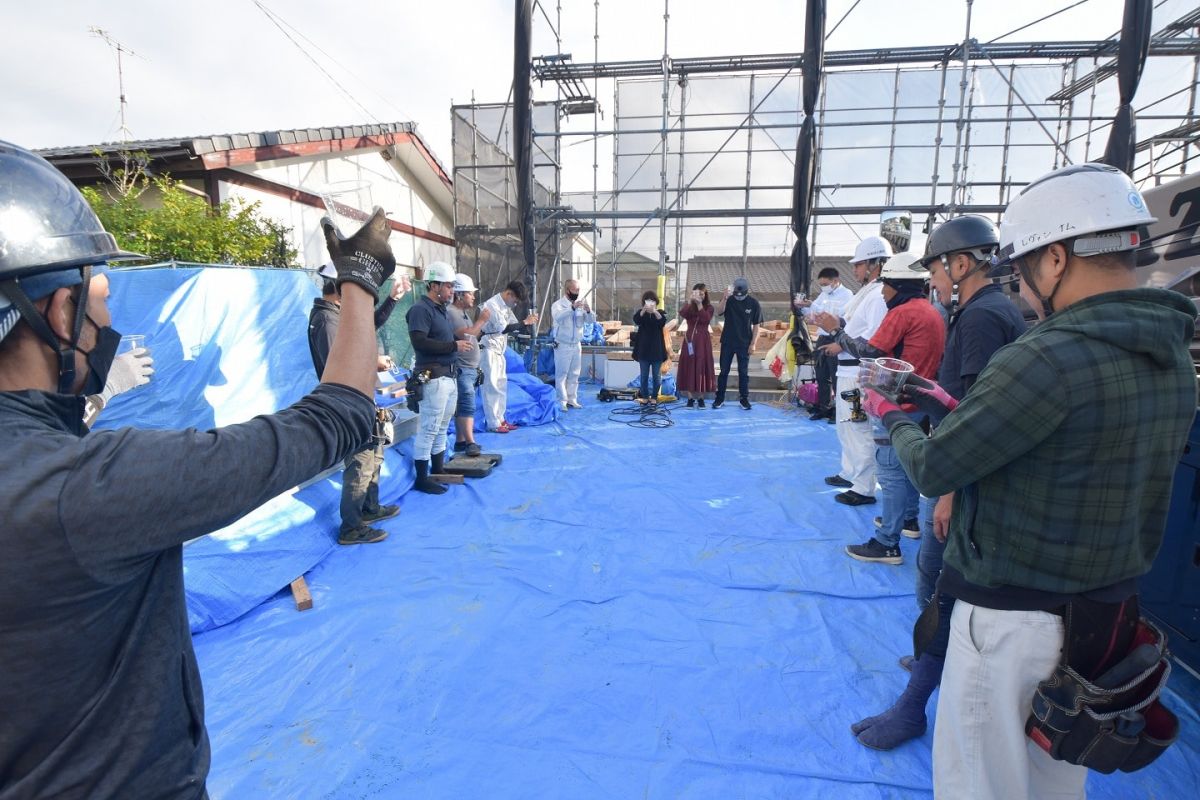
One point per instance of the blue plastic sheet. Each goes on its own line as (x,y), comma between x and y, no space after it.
(615,612)
(229,344)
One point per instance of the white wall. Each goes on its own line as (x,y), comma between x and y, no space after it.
(391,187)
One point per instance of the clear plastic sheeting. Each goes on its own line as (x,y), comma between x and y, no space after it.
(614,612)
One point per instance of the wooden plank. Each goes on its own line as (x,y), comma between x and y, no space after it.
(301,595)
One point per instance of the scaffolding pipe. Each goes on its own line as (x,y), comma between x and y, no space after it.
(523,140)
(749,164)
(890,192)
(662,174)
(1008,135)
(595,150)
(962,101)
(679,189)
(937,140)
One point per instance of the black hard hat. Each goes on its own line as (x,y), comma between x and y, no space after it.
(968,232)
(46,225)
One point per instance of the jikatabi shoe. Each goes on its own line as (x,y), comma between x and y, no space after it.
(839,481)
(911,529)
(853,498)
(363,534)
(875,552)
(383,512)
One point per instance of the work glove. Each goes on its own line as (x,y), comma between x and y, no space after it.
(876,403)
(365,258)
(128,371)
(929,397)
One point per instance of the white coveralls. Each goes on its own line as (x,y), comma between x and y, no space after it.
(495,368)
(863,317)
(569,323)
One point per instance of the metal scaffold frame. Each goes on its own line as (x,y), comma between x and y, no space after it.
(682,143)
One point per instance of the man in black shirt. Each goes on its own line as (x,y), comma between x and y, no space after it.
(742,315)
(101,695)
(360,479)
(432,334)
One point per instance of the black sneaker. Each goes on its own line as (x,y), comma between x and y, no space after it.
(383,512)
(717,404)
(363,534)
(700,403)
(745,403)
(874,552)
(691,403)
(838,481)
(911,529)
(853,498)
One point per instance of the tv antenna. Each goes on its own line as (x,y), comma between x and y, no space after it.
(120,49)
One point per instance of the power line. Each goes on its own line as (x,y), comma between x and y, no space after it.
(1036,21)
(279,23)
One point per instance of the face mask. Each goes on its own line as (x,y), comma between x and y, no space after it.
(572,296)
(100,359)
(826,289)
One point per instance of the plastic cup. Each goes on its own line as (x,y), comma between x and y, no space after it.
(865,365)
(889,374)
(130,343)
(349,205)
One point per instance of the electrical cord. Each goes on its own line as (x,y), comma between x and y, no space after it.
(645,415)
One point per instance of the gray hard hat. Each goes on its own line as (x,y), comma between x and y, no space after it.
(46,225)
(969,232)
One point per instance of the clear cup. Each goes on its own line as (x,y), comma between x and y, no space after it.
(349,205)
(865,365)
(889,374)
(129,343)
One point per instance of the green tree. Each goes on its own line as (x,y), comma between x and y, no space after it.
(182,226)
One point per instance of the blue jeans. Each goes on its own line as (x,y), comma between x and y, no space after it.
(899,495)
(650,372)
(929,557)
(465,406)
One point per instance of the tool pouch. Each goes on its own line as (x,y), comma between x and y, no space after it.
(1115,722)
(478,378)
(384,429)
(414,388)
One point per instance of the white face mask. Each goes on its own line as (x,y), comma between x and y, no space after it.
(827,289)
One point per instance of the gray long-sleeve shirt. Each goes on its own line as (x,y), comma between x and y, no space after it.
(99,691)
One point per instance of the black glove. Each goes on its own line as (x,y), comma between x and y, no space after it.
(365,258)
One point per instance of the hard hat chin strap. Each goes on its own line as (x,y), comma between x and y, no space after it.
(1027,276)
(41,326)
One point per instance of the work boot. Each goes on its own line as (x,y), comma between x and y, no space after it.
(875,551)
(383,512)
(838,480)
(363,534)
(906,719)
(424,483)
(437,463)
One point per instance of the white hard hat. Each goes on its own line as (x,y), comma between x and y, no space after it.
(871,249)
(439,272)
(1071,203)
(328,271)
(463,283)
(904,267)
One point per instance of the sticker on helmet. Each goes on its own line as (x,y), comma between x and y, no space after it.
(1136,201)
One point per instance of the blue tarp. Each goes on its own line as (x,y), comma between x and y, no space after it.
(229,344)
(615,612)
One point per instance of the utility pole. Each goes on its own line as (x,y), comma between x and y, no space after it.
(119,48)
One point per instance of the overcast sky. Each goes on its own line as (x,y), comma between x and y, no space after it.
(223,66)
(228,66)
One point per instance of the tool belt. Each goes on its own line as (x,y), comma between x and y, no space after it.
(1113,721)
(385,431)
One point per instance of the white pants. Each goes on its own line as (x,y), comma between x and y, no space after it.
(994,663)
(437,409)
(568,358)
(858,444)
(495,387)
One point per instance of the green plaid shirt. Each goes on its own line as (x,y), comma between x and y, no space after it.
(1066,446)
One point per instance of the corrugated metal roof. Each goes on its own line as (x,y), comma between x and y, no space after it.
(769,276)
(211,143)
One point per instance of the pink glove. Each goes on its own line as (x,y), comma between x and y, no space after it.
(876,404)
(928,396)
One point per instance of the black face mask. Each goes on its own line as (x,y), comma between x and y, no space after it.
(572,296)
(100,359)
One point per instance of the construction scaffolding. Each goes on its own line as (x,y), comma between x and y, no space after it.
(703,149)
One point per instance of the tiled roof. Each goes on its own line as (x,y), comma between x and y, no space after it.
(769,276)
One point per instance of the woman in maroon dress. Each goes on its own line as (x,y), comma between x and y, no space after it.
(697,375)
